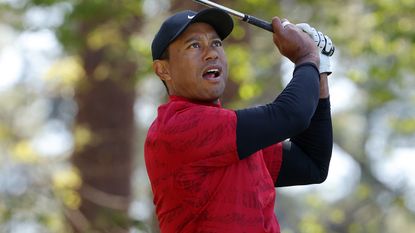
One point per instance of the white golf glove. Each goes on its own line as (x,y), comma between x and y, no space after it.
(324,44)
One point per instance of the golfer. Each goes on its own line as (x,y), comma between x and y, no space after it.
(214,170)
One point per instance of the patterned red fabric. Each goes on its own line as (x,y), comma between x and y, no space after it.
(199,183)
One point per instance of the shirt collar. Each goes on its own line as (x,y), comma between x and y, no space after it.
(180,98)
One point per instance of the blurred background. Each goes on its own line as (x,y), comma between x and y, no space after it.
(77,95)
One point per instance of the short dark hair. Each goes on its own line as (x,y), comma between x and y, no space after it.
(165,55)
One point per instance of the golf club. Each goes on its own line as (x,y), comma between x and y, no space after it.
(244,17)
(250,19)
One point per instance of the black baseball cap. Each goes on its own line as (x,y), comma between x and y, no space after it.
(176,24)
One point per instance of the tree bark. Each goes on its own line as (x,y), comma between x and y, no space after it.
(104,128)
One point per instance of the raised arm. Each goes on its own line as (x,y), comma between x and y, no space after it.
(292,110)
(306,157)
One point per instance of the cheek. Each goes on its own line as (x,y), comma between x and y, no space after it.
(184,73)
(189,66)
(222,56)
(177,66)
(225,66)
(186,70)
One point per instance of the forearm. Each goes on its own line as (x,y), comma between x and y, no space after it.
(306,160)
(317,140)
(288,115)
(324,86)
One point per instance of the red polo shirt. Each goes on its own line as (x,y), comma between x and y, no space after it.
(198,181)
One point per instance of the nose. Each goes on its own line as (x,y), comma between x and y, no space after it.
(211,54)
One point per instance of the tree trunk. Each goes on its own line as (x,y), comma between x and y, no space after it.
(105,162)
(104,125)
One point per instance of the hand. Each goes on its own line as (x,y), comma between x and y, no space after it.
(293,43)
(324,44)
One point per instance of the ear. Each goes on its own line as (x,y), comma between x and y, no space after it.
(161,68)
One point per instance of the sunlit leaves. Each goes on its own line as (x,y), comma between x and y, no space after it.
(83,137)
(403,125)
(357,76)
(66,71)
(65,183)
(337,216)
(45,2)
(363,192)
(311,224)
(102,71)
(104,35)
(249,90)
(242,71)
(238,32)
(4,132)
(140,46)
(24,152)
(114,16)
(378,43)
(239,62)
(264,9)
(68,178)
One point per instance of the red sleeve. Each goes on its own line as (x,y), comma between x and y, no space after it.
(273,159)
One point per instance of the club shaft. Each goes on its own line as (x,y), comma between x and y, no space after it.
(244,17)
(248,18)
(224,8)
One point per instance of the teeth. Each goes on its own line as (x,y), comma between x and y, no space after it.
(213,71)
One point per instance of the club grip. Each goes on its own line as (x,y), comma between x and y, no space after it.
(258,22)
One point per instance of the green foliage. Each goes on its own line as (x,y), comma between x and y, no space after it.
(45,2)
(85,15)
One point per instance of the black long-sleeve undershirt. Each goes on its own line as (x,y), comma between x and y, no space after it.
(306,157)
(294,114)
(287,116)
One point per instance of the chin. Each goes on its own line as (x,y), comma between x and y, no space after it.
(213,98)
(212,94)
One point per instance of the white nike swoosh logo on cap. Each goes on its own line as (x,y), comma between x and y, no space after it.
(190,17)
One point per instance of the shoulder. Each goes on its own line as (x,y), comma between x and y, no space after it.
(187,113)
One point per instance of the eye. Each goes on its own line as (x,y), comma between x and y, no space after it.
(194,45)
(217,43)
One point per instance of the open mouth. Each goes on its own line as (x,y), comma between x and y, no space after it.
(211,73)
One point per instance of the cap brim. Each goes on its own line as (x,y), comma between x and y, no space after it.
(218,19)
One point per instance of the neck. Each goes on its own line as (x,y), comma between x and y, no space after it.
(203,102)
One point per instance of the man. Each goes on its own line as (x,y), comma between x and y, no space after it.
(213,169)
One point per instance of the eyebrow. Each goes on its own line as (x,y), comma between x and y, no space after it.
(193,38)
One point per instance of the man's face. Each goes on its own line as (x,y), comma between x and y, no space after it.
(197,65)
